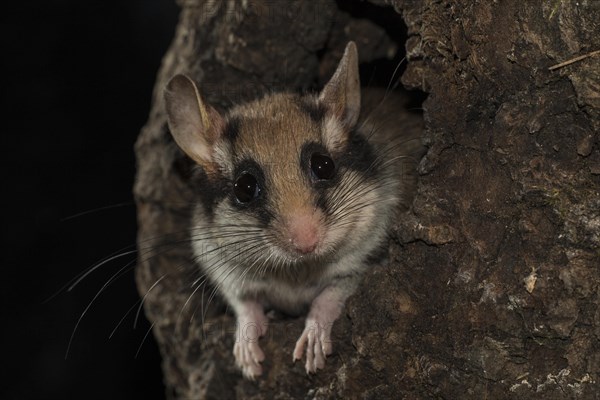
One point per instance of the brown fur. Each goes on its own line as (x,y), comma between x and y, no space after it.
(274,130)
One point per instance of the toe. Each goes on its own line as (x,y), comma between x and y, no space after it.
(310,353)
(257,354)
(299,349)
(319,362)
(248,357)
(251,371)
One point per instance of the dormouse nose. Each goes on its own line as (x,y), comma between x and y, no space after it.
(304,230)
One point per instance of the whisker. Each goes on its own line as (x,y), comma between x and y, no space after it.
(387,89)
(98,209)
(144,340)
(213,267)
(249,253)
(115,276)
(137,314)
(123,270)
(123,318)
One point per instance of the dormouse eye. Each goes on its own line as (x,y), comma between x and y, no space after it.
(246,188)
(322,166)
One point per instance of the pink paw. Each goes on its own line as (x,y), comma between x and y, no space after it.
(248,354)
(317,339)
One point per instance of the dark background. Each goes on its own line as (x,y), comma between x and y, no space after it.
(76,89)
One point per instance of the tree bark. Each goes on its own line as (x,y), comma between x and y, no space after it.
(492,288)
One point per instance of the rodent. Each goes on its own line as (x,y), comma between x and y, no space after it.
(297,191)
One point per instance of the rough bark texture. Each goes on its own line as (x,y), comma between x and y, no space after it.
(493,288)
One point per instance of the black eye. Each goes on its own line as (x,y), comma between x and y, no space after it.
(322,166)
(246,188)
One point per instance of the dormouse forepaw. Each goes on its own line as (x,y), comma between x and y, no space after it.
(316,338)
(248,356)
(247,351)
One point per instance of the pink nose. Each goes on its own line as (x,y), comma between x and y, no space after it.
(303,233)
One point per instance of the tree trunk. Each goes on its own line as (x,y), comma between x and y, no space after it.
(492,289)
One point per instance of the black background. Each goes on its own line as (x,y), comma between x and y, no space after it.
(77,83)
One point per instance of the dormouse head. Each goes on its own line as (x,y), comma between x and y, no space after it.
(290,165)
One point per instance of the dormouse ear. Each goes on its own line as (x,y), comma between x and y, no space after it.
(342,92)
(195,125)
